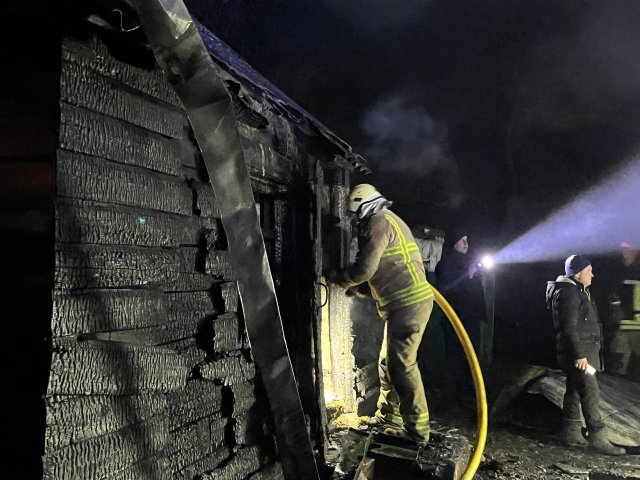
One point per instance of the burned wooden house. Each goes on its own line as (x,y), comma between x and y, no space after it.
(125,336)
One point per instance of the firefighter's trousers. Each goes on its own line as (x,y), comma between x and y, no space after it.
(402,400)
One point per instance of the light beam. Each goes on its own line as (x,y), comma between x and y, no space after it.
(595,222)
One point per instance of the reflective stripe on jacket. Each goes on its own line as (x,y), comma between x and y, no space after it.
(389,259)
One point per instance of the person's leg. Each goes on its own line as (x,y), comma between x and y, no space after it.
(571,423)
(405,328)
(388,411)
(589,391)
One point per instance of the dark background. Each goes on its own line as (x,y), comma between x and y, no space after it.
(484,114)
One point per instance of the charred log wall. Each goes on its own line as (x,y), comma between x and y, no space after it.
(150,374)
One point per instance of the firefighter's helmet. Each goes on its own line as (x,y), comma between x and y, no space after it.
(361,194)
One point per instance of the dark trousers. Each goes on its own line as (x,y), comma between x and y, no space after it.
(460,384)
(582,390)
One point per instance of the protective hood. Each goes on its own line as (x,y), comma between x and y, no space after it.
(369,207)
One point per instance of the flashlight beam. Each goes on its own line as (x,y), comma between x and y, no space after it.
(595,222)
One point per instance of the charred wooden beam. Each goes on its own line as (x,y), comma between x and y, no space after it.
(104,368)
(91,178)
(180,50)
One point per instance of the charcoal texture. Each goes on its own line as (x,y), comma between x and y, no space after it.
(90,90)
(141,276)
(245,462)
(94,55)
(79,221)
(230,370)
(106,368)
(91,178)
(92,311)
(79,267)
(108,454)
(85,131)
(74,419)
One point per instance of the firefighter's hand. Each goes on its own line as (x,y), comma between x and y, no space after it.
(351,291)
(581,364)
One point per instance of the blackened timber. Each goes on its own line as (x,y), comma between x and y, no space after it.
(243,397)
(85,131)
(105,368)
(91,178)
(226,335)
(91,266)
(196,440)
(246,461)
(91,311)
(93,55)
(206,202)
(218,264)
(107,454)
(229,292)
(197,400)
(106,96)
(152,468)
(205,463)
(73,419)
(81,221)
(272,471)
(180,51)
(230,370)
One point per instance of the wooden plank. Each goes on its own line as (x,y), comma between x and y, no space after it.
(74,419)
(93,55)
(86,88)
(106,368)
(81,221)
(92,266)
(109,454)
(88,132)
(91,311)
(91,178)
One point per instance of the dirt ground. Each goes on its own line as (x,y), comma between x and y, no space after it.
(522,443)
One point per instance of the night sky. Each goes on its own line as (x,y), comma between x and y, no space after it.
(485,114)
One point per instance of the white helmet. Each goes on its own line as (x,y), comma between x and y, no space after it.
(361,194)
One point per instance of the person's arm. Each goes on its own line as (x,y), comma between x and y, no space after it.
(372,244)
(568,307)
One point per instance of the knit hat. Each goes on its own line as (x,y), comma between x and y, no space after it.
(575,264)
(451,237)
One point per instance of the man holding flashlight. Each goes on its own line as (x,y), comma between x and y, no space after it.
(578,344)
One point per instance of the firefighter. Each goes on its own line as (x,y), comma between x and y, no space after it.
(390,262)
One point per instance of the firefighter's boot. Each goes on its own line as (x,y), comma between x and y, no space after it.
(599,442)
(571,434)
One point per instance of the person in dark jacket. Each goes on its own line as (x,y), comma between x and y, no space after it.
(459,282)
(578,345)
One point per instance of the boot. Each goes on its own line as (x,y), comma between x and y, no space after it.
(571,434)
(599,442)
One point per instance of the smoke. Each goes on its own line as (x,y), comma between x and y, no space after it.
(375,15)
(595,222)
(402,135)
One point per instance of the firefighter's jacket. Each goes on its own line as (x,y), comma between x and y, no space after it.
(576,320)
(390,261)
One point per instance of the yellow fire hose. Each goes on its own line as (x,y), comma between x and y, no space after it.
(478,383)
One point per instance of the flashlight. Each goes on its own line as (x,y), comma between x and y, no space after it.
(486,262)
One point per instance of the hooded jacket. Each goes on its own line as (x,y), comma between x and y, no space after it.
(390,261)
(576,320)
